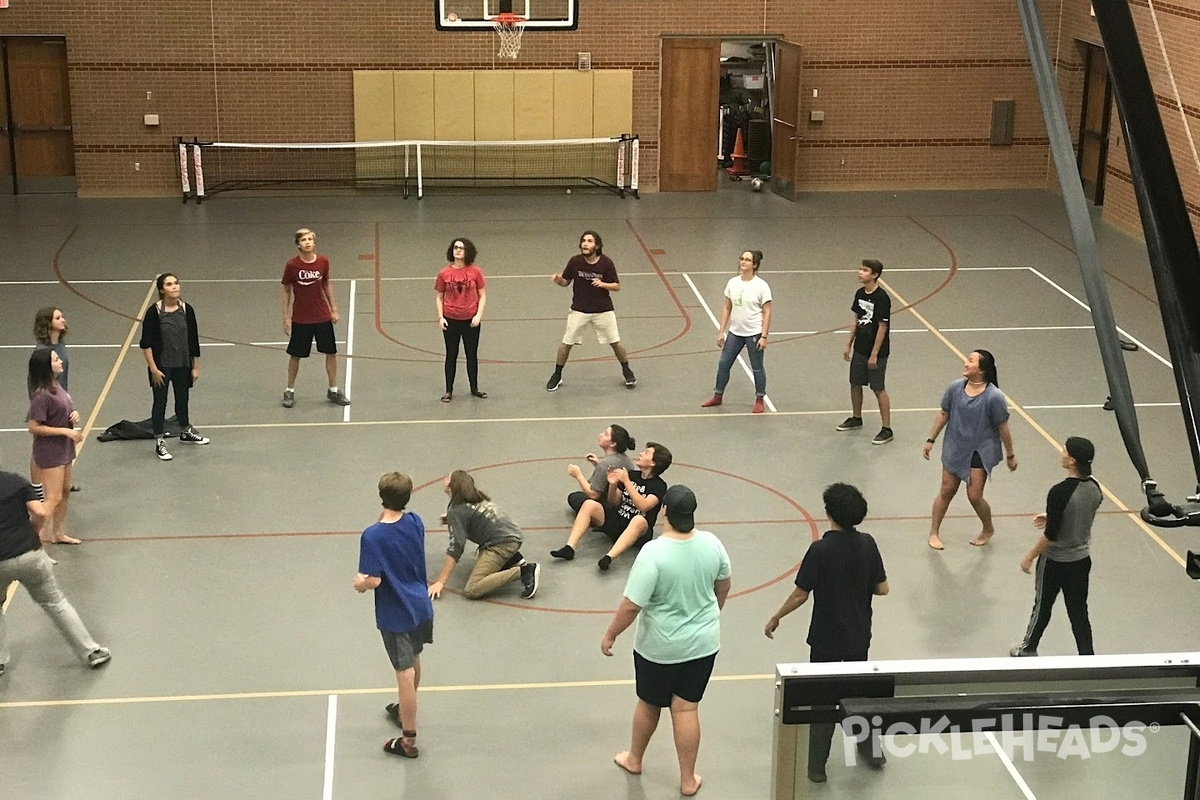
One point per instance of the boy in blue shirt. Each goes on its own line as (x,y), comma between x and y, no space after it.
(391,562)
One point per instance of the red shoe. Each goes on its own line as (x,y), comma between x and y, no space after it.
(715,400)
(758,405)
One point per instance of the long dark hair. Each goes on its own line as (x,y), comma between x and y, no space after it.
(622,441)
(42,321)
(987,365)
(599,241)
(756,256)
(163,279)
(469,251)
(41,372)
(464,490)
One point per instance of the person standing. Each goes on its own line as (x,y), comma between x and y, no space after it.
(50,333)
(676,590)
(471,516)
(842,571)
(615,443)
(593,278)
(974,413)
(52,419)
(391,563)
(745,322)
(460,295)
(309,313)
(171,344)
(868,349)
(1063,551)
(23,560)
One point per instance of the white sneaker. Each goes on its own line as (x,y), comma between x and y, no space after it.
(160,450)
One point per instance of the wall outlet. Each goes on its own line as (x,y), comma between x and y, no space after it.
(148,94)
(137,166)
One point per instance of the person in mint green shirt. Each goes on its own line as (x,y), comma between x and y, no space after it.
(676,590)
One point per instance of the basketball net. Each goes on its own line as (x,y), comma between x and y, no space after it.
(509,28)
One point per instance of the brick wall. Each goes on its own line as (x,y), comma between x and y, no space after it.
(906,88)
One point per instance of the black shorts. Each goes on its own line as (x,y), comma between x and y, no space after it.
(404,648)
(303,334)
(658,683)
(861,375)
(976,461)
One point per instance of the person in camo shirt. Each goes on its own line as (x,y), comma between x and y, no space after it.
(471,516)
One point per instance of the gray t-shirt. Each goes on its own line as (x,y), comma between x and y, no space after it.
(599,479)
(1070,510)
(484,524)
(174,338)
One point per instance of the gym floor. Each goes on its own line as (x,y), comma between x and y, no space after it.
(244,665)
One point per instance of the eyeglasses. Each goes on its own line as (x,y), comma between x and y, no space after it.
(459,247)
(745,259)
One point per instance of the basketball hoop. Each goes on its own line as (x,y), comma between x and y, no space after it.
(509,28)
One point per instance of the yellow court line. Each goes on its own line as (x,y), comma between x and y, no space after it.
(482,687)
(112,374)
(1146,529)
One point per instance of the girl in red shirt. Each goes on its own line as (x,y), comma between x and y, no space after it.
(460,294)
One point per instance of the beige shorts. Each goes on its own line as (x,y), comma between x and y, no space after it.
(605,326)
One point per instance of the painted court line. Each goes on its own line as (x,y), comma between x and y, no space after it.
(1010,766)
(330,741)
(390,690)
(349,347)
(716,324)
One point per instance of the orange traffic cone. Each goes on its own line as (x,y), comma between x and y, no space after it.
(739,158)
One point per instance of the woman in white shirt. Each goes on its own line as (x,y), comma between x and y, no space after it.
(745,320)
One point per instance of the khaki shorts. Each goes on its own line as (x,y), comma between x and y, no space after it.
(605,326)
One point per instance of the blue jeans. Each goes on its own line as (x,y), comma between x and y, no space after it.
(729,354)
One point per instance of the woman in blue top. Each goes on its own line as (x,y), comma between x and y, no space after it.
(975,416)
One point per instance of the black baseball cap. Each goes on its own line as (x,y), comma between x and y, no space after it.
(679,504)
(1081,449)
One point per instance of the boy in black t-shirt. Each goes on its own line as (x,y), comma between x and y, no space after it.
(633,501)
(843,571)
(868,349)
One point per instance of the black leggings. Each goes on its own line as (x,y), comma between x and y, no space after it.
(181,379)
(457,329)
(1070,578)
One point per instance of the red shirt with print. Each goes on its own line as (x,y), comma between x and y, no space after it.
(308,282)
(460,291)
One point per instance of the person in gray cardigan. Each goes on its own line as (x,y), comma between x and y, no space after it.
(471,516)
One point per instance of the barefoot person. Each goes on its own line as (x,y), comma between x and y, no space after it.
(50,333)
(391,563)
(23,560)
(460,295)
(52,419)
(171,344)
(745,321)
(309,313)
(676,590)
(593,278)
(868,349)
(1063,551)
(974,414)
(471,516)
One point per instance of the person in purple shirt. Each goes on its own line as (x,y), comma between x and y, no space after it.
(974,414)
(52,419)
(391,562)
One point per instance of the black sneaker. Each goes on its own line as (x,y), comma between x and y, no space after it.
(630,378)
(883,437)
(554,382)
(160,450)
(336,397)
(865,752)
(850,424)
(289,398)
(1019,652)
(98,657)
(530,575)
(192,436)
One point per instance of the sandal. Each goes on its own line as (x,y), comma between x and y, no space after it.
(393,713)
(479,394)
(404,746)
(447,397)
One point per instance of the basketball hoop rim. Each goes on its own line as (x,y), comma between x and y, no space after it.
(508,20)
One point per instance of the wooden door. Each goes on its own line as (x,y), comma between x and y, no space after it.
(41,113)
(785,121)
(6,176)
(1092,148)
(688,114)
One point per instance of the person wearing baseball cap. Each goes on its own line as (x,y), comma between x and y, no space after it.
(675,592)
(1063,552)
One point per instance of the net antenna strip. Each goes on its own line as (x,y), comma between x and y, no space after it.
(971,697)
(608,164)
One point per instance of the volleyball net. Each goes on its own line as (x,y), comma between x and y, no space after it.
(610,164)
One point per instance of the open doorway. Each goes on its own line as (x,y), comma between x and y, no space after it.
(744,109)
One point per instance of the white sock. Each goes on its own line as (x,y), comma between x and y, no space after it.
(291,388)
(333,388)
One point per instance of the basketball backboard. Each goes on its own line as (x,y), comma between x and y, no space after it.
(475,15)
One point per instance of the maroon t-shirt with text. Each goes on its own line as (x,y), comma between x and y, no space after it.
(308,281)
(586,298)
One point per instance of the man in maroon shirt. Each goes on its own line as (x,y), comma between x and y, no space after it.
(309,312)
(593,277)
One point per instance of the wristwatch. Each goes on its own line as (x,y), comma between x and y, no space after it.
(932,441)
